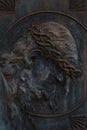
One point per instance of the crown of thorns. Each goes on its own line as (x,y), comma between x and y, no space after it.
(49,50)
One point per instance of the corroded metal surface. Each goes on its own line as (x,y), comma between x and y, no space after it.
(79,5)
(7,5)
(42,72)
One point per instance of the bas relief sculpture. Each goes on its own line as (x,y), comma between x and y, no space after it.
(36,72)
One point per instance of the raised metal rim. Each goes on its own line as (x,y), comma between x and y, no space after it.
(59,13)
(40,12)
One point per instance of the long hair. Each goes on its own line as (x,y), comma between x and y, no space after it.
(56,42)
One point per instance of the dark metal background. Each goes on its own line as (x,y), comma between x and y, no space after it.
(11,12)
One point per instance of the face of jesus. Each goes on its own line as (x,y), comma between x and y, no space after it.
(49,84)
(49,81)
(42,82)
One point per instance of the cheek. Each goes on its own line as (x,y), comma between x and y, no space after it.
(47,76)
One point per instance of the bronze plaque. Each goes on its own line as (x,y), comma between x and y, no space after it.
(42,73)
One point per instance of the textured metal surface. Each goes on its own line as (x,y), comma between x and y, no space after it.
(7,5)
(79,5)
(78,122)
(74,118)
(71,116)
